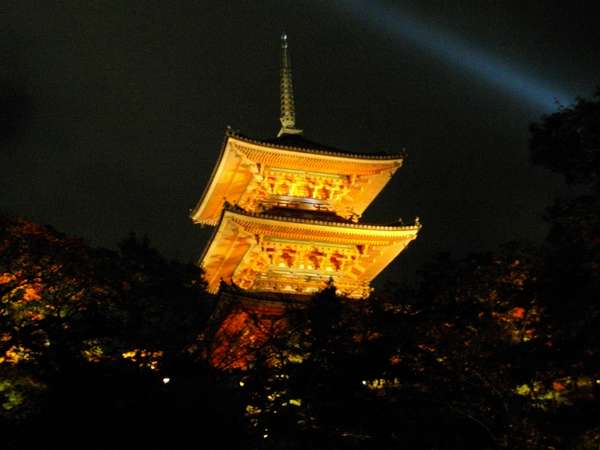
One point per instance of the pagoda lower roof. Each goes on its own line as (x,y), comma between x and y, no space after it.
(321,219)
(240,233)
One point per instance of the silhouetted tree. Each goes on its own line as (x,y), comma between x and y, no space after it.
(494,350)
(568,142)
(89,339)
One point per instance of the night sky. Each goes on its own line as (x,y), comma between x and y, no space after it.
(113,113)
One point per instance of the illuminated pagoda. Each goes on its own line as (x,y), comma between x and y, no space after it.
(287,211)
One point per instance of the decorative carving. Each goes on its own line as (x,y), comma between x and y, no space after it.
(301,267)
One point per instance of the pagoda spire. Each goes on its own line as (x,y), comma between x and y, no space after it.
(286,91)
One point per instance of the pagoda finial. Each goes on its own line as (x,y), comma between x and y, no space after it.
(286,91)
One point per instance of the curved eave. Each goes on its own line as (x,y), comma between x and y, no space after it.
(318,151)
(381,231)
(237,231)
(332,159)
(323,223)
(210,183)
(211,239)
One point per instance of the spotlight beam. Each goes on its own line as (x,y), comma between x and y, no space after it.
(403,27)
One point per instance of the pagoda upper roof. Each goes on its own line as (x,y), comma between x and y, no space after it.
(298,142)
(244,161)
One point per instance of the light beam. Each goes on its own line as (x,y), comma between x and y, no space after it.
(404,27)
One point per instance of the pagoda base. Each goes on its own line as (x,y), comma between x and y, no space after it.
(244,322)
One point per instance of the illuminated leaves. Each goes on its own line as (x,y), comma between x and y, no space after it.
(244,333)
(517,313)
(17,394)
(144,358)
(96,350)
(559,392)
(6,278)
(14,354)
(65,306)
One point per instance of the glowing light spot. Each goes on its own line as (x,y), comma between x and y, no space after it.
(31,293)
(524,389)
(364,382)
(252,410)
(294,358)
(518,313)
(166,380)
(7,278)
(144,358)
(242,383)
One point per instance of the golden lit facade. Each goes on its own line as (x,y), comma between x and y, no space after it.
(287,213)
(258,175)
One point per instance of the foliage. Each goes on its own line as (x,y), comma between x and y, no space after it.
(568,142)
(87,336)
(471,350)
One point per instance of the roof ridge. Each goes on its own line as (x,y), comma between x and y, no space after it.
(324,151)
(238,210)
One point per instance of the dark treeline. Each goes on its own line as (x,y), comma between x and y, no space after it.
(110,350)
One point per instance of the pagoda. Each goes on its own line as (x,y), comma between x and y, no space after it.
(287,212)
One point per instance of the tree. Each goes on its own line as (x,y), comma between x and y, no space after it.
(568,142)
(95,339)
